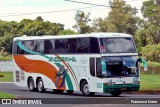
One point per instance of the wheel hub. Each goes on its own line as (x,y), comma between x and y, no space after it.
(86,88)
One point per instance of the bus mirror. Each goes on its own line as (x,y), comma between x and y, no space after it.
(103,63)
(144,62)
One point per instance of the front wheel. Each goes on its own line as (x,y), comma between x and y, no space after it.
(116,94)
(85,89)
(40,86)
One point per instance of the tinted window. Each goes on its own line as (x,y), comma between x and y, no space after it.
(60,46)
(71,46)
(92,66)
(14,48)
(39,46)
(19,50)
(94,46)
(29,45)
(83,45)
(117,45)
(49,46)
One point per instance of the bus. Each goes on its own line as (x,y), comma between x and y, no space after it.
(95,62)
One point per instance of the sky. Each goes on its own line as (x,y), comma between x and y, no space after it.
(56,11)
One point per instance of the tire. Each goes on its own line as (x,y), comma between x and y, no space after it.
(40,86)
(57,91)
(85,89)
(116,94)
(70,91)
(31,85)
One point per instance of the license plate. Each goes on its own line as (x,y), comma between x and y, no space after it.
(123,89)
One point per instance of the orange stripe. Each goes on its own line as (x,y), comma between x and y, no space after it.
(37,66)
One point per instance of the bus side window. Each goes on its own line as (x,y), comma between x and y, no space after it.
(60,46)
(14,48)
(39,46)
(49,46)
(19,50)
(83,45)
(71,46)
(29,45)
(94,45)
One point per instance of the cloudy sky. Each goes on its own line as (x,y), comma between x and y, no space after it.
(59,11)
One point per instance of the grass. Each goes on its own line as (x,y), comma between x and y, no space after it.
(6,77)
(150,82)
(2,58)
(6,95)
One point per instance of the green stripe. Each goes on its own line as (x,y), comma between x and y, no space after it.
(69,82)
(68,79)
(58,64)
(73,73)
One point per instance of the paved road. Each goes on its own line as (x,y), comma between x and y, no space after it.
(25,93)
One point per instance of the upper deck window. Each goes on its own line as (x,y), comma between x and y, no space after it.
(117,45)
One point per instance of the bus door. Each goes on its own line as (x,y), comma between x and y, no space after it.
(99,75)
(93,82)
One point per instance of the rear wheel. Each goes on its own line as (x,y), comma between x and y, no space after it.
(70,91)
(116,94)
(31,85)
(57,91)
(85,89)
(40,86)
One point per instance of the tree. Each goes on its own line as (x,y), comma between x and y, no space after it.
(151,12)
(66,32)
(37,27)
(100,25)
(122,18)
(39,18)
(82,22)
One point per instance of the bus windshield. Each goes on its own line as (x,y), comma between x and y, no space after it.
(117,45)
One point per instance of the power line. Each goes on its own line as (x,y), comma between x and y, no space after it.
(87,3)
(93,5)
(21,14)
(108,6)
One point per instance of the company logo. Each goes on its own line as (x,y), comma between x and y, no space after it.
(66,59)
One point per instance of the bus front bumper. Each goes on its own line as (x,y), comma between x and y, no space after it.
(121,88)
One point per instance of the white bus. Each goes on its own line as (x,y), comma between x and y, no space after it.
(96,62)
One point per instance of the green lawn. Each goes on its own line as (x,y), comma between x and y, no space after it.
(7,77)
(2,58)
(6,95)
(150,82)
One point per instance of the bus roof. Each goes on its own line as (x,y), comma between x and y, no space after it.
(96,35)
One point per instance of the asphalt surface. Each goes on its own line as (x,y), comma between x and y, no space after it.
(25,93)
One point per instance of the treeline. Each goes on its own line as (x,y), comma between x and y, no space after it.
(122,18)
(37,27)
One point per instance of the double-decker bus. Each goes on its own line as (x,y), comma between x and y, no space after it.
(95,62)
